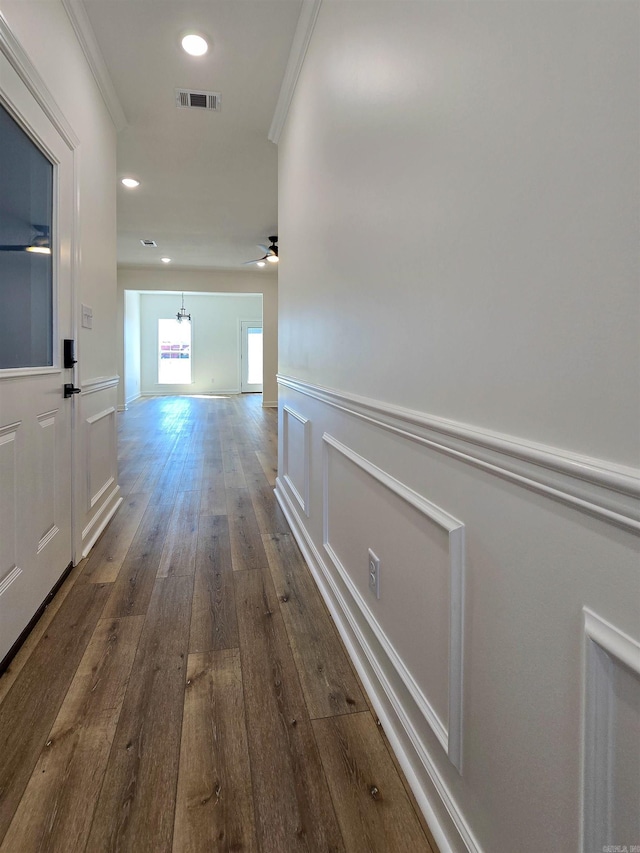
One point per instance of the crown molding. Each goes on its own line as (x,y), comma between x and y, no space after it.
(86,37)
(299,46)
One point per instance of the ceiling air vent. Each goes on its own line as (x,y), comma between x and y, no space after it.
(192,100)
(151,243)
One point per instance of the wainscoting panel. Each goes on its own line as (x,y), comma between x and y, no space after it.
(490,548)
(101,451)
(421,553)
(612,737)
(295,462)
(98,490)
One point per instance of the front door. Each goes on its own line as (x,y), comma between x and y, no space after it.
(36,222)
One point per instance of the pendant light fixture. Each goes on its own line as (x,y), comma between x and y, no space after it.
(182,313)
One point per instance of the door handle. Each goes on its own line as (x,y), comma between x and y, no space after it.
(69,390)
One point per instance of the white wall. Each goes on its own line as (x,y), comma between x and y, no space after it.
(209,281)
(459,350)
(215,339)
(131,320)
(45,33)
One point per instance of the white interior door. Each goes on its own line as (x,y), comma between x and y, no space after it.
(36,222)
(251,355)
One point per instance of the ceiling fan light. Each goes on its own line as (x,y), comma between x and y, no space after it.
(273,259)
(259,263)
(194,44)
(39,250)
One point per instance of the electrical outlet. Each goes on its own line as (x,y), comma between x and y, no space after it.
(374,574)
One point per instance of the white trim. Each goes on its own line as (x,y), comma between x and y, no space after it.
(47,538)
(606,490)
(612,640)
(26,372)
(86,38)
(604,645)
(299,46)
(102,518)
(6,582)
(270,404)
(101,491)
(377,685)
(450,736)
(123,408)
(227,392)
(100,383)
(303,499)
(100,415)
(26,71)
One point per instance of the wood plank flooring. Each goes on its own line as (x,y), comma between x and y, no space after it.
(186,690)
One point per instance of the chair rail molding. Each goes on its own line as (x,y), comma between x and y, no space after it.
(606,490)
(99,383)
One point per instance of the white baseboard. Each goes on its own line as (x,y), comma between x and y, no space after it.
(219,392)
(386,704)
(270,404)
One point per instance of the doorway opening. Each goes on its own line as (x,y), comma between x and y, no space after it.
(251,355)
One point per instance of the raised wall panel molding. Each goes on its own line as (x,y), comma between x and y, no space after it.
(101,383)
(300,491)
(299,46)
(24,68)
(101,455)
(86,37)
(608,491)
(609,653)
(450,737)
(377,685)
(100,520)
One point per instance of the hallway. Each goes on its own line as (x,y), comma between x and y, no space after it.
(186,689)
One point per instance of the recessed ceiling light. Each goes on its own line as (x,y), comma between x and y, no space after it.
(166,260)
(194,44)
(130,182)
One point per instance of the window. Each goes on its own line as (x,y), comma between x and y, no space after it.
(26,268)
(174,352)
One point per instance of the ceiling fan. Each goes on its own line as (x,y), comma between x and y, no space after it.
(270,253)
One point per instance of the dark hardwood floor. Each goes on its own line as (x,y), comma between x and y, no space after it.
(186,690)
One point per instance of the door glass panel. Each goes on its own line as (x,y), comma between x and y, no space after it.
(254,356)
(26,268)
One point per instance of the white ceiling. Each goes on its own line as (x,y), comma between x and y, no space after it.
(208,180)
